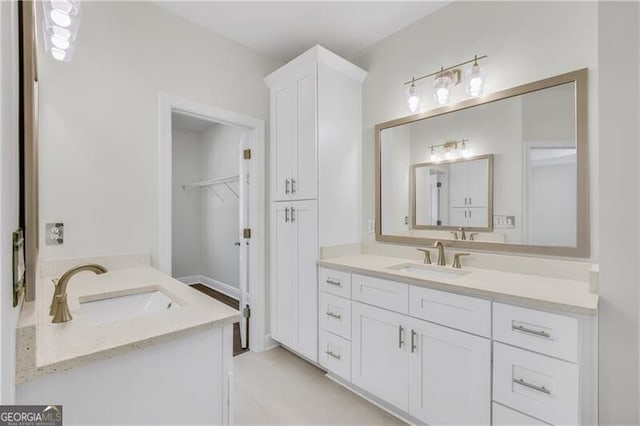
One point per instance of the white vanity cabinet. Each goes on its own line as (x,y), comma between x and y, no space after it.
(437,357)
(315,139)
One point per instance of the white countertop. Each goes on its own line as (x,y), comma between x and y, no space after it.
(533,290)
(62,346)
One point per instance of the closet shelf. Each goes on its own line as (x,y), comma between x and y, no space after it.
(213,182)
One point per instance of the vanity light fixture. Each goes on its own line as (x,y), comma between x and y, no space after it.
(451,150)
(61,19)
(445,79)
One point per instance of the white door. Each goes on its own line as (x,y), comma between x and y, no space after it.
(243,186)
(449,375)
(304,184)
(282,138)
(304,221)
(379,353)
(283,301)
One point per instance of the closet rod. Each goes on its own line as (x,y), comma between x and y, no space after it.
(211,182)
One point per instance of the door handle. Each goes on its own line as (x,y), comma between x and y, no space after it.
(526,384)
(413,341)
(293,186)
(286,214)
(293,211)
(336,356)
(333,282)
(536,333)
(286,186)
(332,315)
(400,336)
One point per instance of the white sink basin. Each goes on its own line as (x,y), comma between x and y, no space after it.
(119,308)
(429,271)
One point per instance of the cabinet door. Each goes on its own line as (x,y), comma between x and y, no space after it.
(304,219)
(283,304)
(450,375)
(478,192)
(305,164)
(458,217)
(379,353)
(478,217)
(282,140)
(458,184)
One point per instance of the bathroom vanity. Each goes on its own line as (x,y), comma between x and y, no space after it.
(437,345)
(134,331)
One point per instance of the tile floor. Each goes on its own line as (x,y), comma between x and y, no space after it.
(276,387)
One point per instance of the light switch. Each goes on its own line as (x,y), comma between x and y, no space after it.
(371,226)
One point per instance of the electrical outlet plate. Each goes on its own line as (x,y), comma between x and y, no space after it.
(504,222)
(371,226)
(54,234)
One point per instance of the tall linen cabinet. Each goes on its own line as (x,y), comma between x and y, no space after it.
(315,184)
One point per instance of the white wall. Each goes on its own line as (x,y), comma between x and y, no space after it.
(220,147)
(99,119)
(619,112)
(186,217)
(544,39)
(9,196)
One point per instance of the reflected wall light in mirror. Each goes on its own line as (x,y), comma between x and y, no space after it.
(536,135)
(61,19)
(445,79)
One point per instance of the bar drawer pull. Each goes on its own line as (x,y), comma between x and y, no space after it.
(286,186)
(332,315)
(336,356)
(400,336)
(413,341)
(523,329)
(522,382)
(293,186)
(334,282)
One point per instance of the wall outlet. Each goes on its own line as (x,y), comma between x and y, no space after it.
(54,234)
(371,226)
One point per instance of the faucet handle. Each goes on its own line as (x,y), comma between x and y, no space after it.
(472,236)
(455,234)
(55,281)
(427,255)
(456,260)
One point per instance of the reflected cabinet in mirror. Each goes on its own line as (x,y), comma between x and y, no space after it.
(505,172)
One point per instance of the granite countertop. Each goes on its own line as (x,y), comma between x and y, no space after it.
(532,290)
(44,347)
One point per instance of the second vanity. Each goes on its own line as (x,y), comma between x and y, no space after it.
(434,344)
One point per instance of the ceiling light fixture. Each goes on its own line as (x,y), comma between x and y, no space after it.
(447,78)
(450,150)
(60,25)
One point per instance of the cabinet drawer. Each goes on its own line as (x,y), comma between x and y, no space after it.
(385,294)
(335,282)
(537,385)
(550,334)
(335,315)
(507,417)
(453,310)
(335,354)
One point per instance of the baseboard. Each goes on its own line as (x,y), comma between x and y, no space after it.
(223,288)
(269,343)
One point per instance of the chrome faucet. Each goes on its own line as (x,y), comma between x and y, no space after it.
(441,259)
(59,307)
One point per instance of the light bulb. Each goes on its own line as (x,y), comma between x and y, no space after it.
(60,18)
(58,54)
(413,98)
(441,86)
(63,6)
(59,42)
(61,33)
(464,150)
(432,155)
(475,77)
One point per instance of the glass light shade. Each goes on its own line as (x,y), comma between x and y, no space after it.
(413,98)
(441,86)
(433,157)
(59,18)
(58,54)
(62,24)
(464,150)
(68,7)
(475,80)
(59,42)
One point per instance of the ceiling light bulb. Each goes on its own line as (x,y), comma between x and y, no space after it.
(61,33)
(413,97)
(63,6)
(441,86)
(58,54)
(60,18)
(475,77)
(59,42)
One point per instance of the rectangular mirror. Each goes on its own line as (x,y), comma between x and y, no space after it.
(510,168)
(453,194)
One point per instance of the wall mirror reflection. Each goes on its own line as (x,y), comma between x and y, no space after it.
(509,169)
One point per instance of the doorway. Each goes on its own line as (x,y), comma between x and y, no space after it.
(211,221)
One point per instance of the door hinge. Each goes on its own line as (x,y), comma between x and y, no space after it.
(246,232)
(246,154)
(246,312)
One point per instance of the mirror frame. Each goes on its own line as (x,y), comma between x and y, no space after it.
(583,221)
(412,189)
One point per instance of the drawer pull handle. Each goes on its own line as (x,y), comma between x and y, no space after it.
(286,186)
(400,336)
(530,386)
(332,315)
(413,341)
(336,356)
(530,331)
(334,282)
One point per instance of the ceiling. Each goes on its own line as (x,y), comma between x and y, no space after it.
(283,30)
(191,123)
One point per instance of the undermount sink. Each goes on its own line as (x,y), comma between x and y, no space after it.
(128,306)
(429,271)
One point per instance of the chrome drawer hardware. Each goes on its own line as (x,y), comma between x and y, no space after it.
(336,356)
(332,315)
(286,214)
(286,186)
(530,386)
(293,217)
(293,186)
(524,329)
(400,336)
(333,282)
(413,341)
